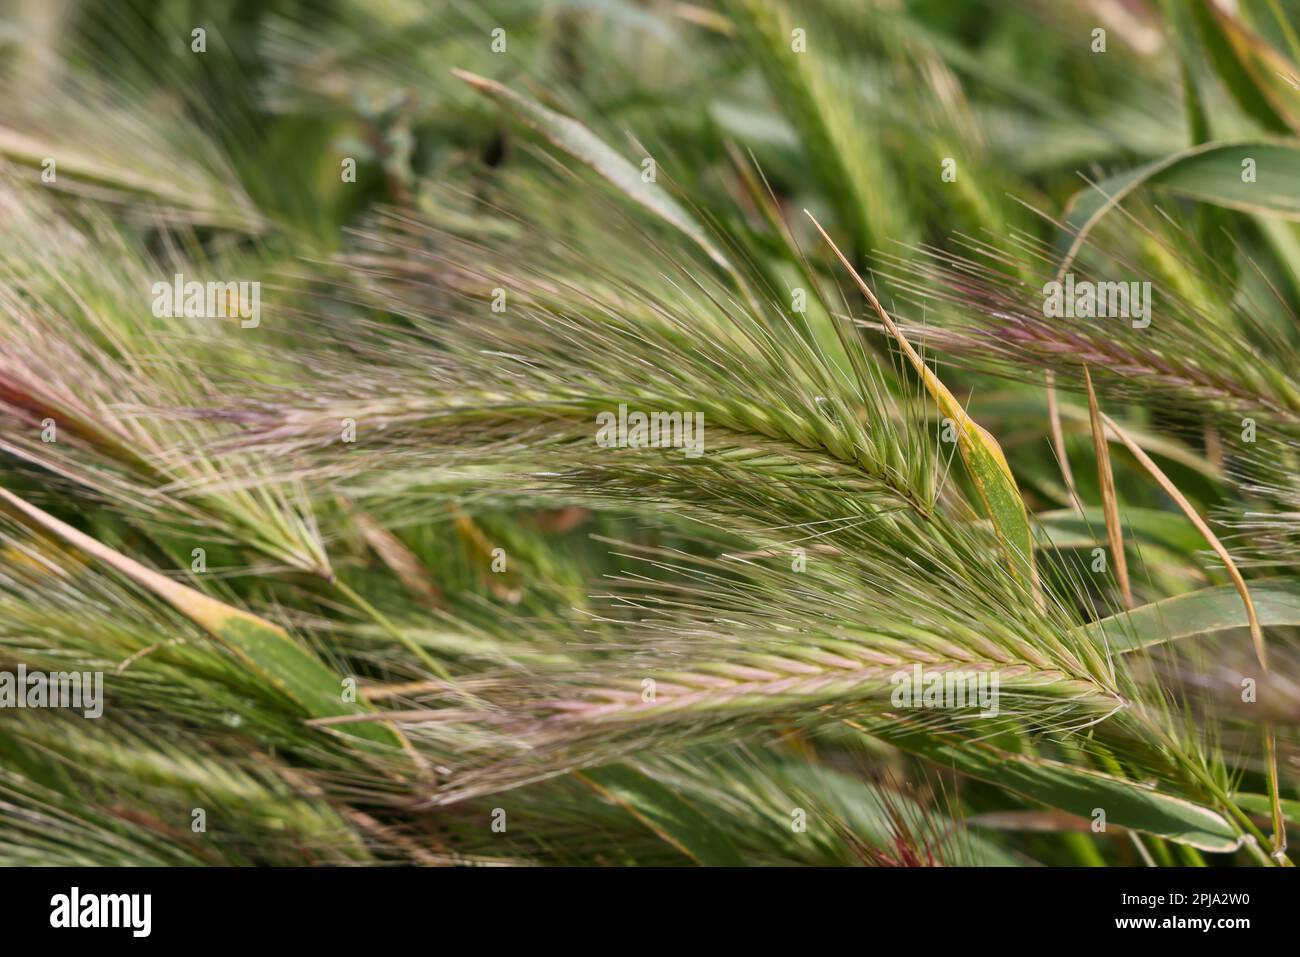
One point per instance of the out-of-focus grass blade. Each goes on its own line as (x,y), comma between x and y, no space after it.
(1080,792)
(1182,31)
(668,815)
(102,178)
(980,452)
(582,144)
(1261,804)
(1066,528)
(264,648)
(1251,69)
(1211,173)
(1044,822)
(1276,601)
(843,152)
(1109,497)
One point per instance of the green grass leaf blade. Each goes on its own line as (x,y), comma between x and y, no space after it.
(668,815)
(997,488)
(1211,173)
(1250,68)
(1262,805)
(1078,791)
(1068,528)
(1277,602)
(582,144)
